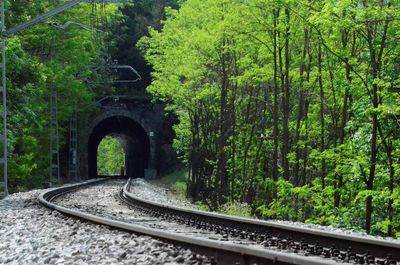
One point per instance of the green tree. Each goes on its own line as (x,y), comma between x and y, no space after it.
(110,157)
(40,58)
(286,105)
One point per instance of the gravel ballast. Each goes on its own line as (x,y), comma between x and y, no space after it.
(150,190)
(33,234)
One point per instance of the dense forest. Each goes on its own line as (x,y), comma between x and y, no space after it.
(73,62)
(289,106)
(41,59)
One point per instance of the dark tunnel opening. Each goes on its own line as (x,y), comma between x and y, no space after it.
(133,138)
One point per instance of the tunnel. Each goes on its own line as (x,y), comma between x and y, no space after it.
(132,136)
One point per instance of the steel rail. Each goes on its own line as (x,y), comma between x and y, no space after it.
(359,244)
(224,252)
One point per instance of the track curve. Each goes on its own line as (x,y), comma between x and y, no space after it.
(360,247)
(224,252)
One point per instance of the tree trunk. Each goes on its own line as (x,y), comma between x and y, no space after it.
(321,117)
(375,59)
(300,112)
(345,115)
(286,102)
(276,99)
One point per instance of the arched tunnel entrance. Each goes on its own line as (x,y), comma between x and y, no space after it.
(133,138)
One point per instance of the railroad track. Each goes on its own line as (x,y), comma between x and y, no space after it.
(236,240)
(353,248)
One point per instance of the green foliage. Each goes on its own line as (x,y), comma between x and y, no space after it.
(38,59)
(179,176)
(73,62)
(236,209)
(176,183)
(283,104)
(127,27)
(110,157)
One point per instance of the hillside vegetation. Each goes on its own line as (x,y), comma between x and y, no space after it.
(289,106)
(73,62)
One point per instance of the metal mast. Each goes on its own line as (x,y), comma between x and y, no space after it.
(54,140)
(73,144)
(3,108)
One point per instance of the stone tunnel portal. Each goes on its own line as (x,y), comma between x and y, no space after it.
(133,138)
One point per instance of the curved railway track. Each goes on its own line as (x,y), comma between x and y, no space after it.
(236,240)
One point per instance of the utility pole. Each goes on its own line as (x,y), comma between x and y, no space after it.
(3,107)
(54,140)
(73,146)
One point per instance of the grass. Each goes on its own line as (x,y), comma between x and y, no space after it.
(176,183)
(236,209)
